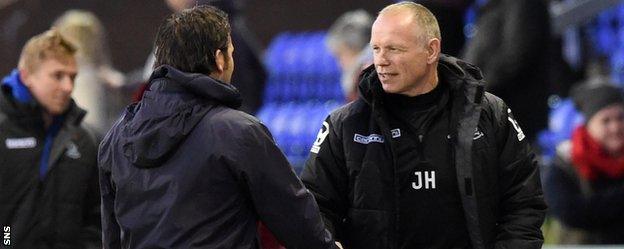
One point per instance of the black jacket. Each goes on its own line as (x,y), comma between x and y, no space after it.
(591,211)
(62,210)
(497,174)
(183,169)
(511,46)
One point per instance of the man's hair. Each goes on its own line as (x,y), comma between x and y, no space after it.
(189,39)
(422,16)
(47,45)
(352,30)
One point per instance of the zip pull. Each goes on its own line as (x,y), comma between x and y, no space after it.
(421,149)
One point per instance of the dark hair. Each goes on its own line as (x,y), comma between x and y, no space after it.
(189,39)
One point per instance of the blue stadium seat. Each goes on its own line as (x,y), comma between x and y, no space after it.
(303,87)
(563,119)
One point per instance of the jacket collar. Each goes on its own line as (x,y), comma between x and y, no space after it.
(30,111)
(168,78)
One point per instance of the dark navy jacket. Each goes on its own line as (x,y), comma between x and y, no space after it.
(184,169)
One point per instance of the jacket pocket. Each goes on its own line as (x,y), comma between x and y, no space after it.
(367,229)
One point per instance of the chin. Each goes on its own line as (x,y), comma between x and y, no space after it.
(58,111)
(616,149)
(388,88)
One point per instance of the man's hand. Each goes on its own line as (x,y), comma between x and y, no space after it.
(339,245)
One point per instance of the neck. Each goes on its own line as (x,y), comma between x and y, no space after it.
(47,119)
(428,83)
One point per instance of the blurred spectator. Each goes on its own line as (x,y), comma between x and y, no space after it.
(511,46)
(348,40)
(585,186)
(48,176)
(98,85)
(250,76)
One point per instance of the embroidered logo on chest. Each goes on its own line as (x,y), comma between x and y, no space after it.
(20,143)
(372,138)
(396,132)
(72,151)
(478,134)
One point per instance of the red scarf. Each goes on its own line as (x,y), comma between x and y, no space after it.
(591,160)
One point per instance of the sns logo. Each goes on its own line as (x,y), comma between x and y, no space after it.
(7,236)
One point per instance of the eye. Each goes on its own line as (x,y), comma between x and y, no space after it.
(58,76)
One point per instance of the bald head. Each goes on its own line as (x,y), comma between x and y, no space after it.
(423,21)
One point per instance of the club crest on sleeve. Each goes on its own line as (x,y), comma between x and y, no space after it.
(515,125)
(320,137)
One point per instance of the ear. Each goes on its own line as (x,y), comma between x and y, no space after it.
(24,76)
(220,60)
(433,49)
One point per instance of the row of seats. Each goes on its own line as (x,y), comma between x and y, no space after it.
(607,32)
(301,68)
(303,87)
(563,119)
(295,126)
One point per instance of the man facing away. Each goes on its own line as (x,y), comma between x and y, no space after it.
(184,169)
(424,158)
(48,171)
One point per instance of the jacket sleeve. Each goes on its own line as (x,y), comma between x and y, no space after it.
(283,204)
(325,174)
(522,208)
(91,232)
(597,210)
(110,229)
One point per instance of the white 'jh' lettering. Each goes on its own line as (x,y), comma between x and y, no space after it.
(429,180)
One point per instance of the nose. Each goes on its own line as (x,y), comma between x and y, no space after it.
(380,58)
(67,84)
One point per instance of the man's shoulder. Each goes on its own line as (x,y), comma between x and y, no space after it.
(357,109)
(223,118)
(493,106)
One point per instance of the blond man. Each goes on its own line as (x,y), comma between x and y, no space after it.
(49,195)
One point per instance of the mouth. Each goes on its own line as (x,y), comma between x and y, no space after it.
(385,76)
